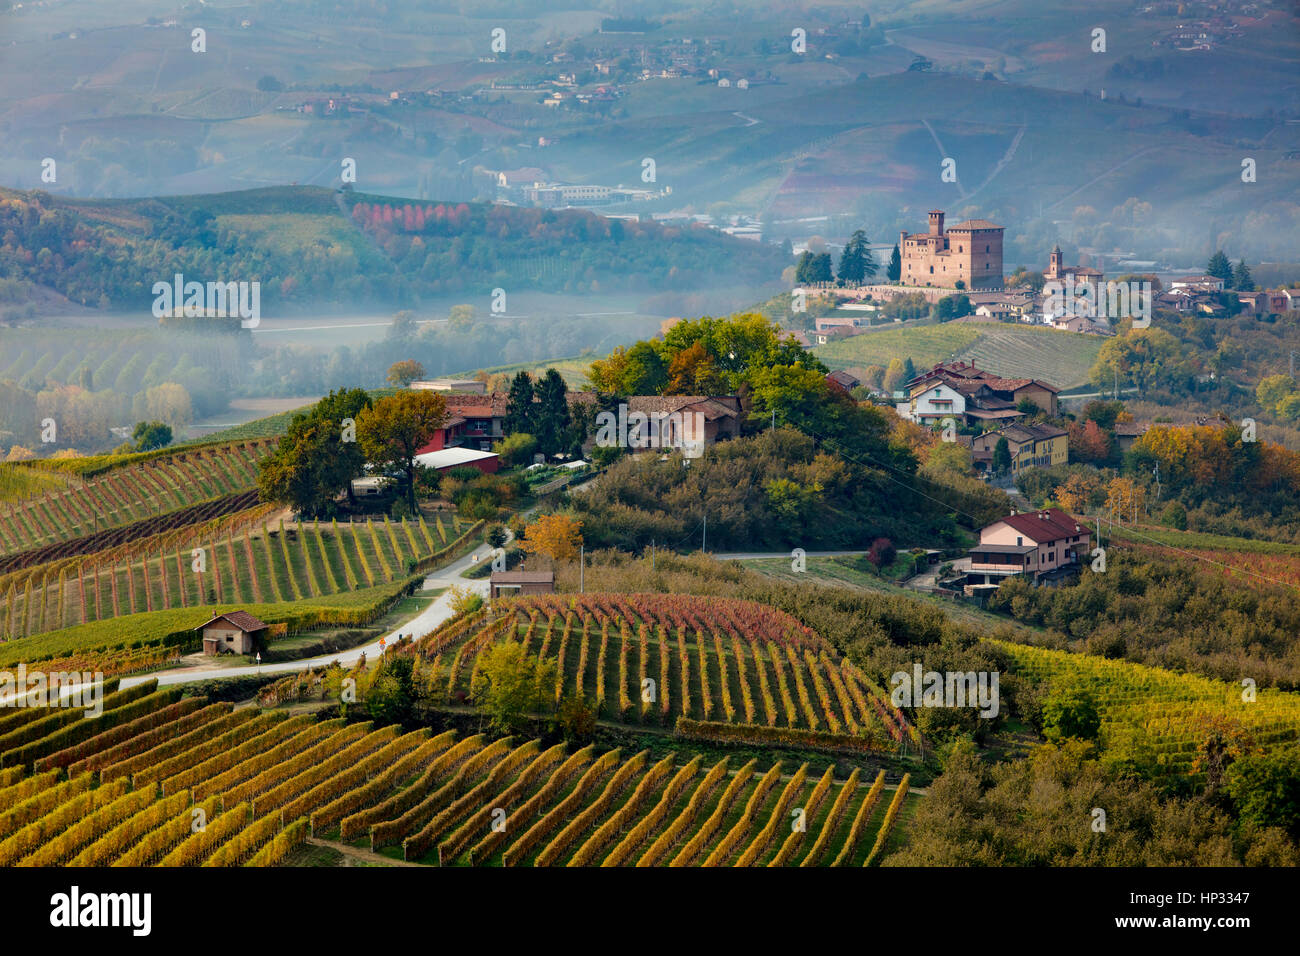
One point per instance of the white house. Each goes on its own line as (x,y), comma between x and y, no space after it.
(935,403)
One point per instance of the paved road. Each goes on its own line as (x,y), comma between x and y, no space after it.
(751,556)
(424,622)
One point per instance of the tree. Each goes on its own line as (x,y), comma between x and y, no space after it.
(1241,278)
(510,684)
(895,376)
(496,535)
(1125,498)
(1265,789)
(1272,389)
(822,269)
(882,552)
(1174,516)
(692,372)
(575,718)
(391,693)
(1070,713)
(894,271)
(1079,491)
(909,370)
(1002,456)
(803,270)
(515,449)
(393,430)
(551,417)
(317,456)
(150,435)
(405,372)
(1219,267)
(519,405)
(555,535)
(856,262)
(461,317)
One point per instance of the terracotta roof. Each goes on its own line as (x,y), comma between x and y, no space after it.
(712,407)
(843,378)
(1044,527)
(973,224)
(476,406)
(523,577)
(1013,384)
(581,398)
(241,619)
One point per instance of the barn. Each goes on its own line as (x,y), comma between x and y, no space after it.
(233,632)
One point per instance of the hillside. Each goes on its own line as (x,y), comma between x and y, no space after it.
(310,246)
(1062,358)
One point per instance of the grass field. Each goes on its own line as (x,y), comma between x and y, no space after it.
(1062,359)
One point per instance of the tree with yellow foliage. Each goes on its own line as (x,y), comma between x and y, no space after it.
(1077,492)
(557,536)
(1125,498)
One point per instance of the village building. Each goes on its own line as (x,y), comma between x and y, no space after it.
(1044,546)
(972,396)
(671,419)
(234,632)
(969,252)
(517,583)
(1031,446)
(1058,271)
(844,379)
(470,385)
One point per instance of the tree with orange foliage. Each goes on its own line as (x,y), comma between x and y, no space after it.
(557,536)
(1076,494)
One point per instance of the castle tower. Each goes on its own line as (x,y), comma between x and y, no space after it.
(936,222)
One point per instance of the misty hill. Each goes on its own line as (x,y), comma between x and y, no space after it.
(314,247)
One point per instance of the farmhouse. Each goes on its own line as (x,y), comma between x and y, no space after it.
(515,583)
(969,252)
(232,632)
(1042,545)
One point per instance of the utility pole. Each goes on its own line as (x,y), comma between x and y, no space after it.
(1293,364)
(582,568)
(652,554)
(704,541)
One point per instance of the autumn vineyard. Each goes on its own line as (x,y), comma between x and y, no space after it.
(161,779)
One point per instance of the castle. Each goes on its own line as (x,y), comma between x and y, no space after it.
(969,252)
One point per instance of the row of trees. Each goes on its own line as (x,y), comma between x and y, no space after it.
(857,264)
(1234,277)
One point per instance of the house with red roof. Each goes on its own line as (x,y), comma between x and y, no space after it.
(1040,545)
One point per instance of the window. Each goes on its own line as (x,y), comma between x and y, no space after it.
(1020,542)
(986,248)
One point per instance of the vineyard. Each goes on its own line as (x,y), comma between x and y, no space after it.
(243,562)
(159,779)
(1154,719)
(129,494)
(663,659)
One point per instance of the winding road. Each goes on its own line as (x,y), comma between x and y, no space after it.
(427,620)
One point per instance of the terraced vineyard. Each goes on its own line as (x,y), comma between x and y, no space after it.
(131,493)
(126,789)
(1157,719)
(716,669)
(243,561)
